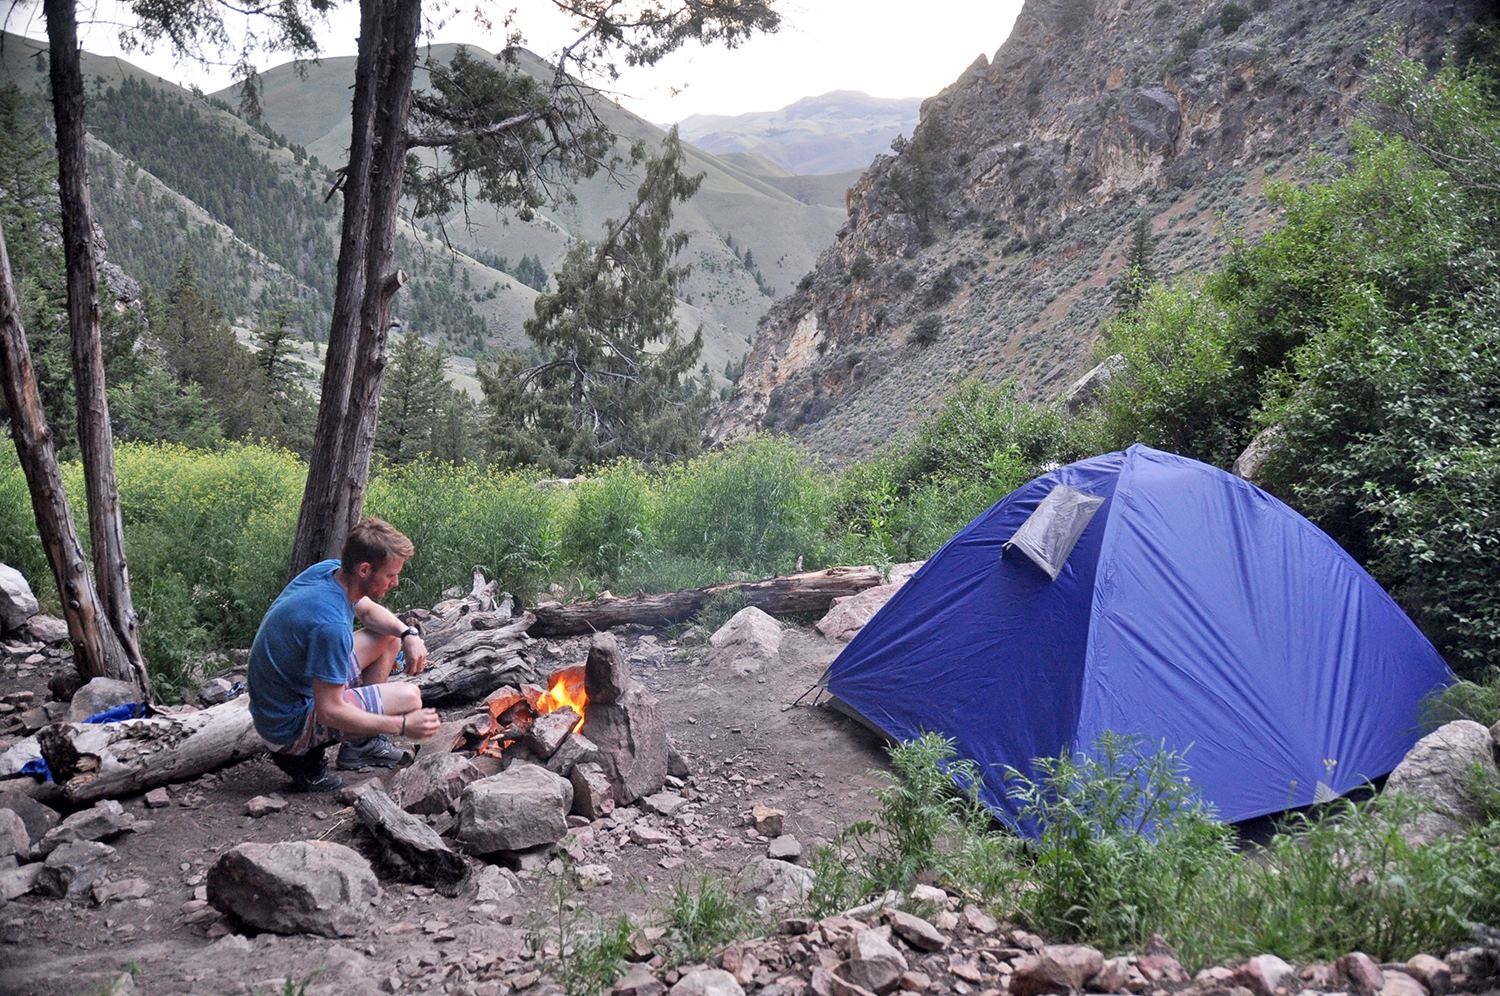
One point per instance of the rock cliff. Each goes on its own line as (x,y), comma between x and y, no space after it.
(989,244)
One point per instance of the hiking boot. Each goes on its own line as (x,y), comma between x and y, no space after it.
(371,752)
(308,772)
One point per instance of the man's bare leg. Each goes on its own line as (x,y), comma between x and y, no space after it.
(376,656)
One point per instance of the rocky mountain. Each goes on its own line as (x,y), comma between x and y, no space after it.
(831,133)
(990,246)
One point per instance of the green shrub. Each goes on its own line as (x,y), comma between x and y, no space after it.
(604,528)
(702,916)
(752,509)
(1231,16)
(926,330)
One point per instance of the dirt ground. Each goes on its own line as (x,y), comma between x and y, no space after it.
(746,744)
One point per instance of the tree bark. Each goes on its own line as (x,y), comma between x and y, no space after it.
(470,665)
(812,591)
(96,652)
(411,845)
(95,438)
(93,761)
(338,467)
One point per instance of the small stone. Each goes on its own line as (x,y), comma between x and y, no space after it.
(872,962)
(575,750)
(980,922)
(1264,973)
(594,875)
(648,836)
(119,890)
(104,820)
(1161,969)
(264,805)
(19,880)
(663,803)
(785,848)
(72,868)
(158,798)
(914,982)
(1431,972)
(1362,971)
(929,894)
(549,731)
(766,820)
(707,982)
(98,695)
(915,931)
(1398,983)
(14,840)
(592,795)
(1057,968)
(638,981)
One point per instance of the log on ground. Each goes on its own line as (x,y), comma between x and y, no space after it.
(412,847)
(811,591)
(109,760)
(469,666)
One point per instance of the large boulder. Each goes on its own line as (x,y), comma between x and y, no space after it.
(37,817)
(849,614)
(632,741)
(296,887)
(1438,776)
(1087,389)
(72,869)
(434,783)
(749,641)
(101,694)
(47,629)
(17,603)
(105,820)
(522,807)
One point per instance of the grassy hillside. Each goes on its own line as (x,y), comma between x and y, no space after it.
(308,103)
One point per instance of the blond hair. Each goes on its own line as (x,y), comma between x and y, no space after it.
(374,541)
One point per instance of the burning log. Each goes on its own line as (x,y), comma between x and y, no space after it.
(469,665)
(108,760)
(413,847)
(812,591)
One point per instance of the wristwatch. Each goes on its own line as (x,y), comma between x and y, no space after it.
(410,631)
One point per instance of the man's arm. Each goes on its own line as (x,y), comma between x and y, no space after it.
(383,622)
(334,711)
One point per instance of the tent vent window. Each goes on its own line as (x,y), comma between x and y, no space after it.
(1049,534)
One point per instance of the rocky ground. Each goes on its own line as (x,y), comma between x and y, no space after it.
(767,779)
(746,745)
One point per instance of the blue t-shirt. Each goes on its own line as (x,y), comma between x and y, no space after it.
(307,635)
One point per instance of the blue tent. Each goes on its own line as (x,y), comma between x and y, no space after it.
(1189,608)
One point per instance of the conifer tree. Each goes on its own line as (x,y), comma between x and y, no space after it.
(413,415)
(616,375)
(1139,273)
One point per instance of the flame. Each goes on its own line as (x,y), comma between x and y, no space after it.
(566,692)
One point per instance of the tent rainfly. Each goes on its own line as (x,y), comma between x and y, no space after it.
(1154,596)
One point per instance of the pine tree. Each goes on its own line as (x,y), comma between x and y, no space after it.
(412,416)
(616,375)
(1139,273)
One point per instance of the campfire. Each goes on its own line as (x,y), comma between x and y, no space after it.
(515,713)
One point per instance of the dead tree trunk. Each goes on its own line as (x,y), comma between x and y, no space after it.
(92,761)
(95,650)
(95,438)
(339,464)
(812,591)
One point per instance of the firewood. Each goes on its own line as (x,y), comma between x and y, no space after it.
(415,848)
(471,664)
(811,591)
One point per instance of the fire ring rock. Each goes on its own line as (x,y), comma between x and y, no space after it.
(523,806)
(434,783)
(301,886)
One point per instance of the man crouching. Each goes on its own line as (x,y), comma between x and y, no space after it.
(314,680)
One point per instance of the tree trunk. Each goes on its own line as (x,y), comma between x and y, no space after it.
(93,761)
(813,591)
(411,845)
(95,439)
(354,367)
(96,652)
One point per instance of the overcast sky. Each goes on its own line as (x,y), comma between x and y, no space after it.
(887,48)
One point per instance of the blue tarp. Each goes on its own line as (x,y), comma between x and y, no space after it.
(1196,611)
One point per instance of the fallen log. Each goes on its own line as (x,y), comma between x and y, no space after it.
(108,760)
(469,665)
(413,848)
(811,591)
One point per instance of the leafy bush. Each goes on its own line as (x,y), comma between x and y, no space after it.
(1231,16)
(604,529)
(753,508)
(926,330)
